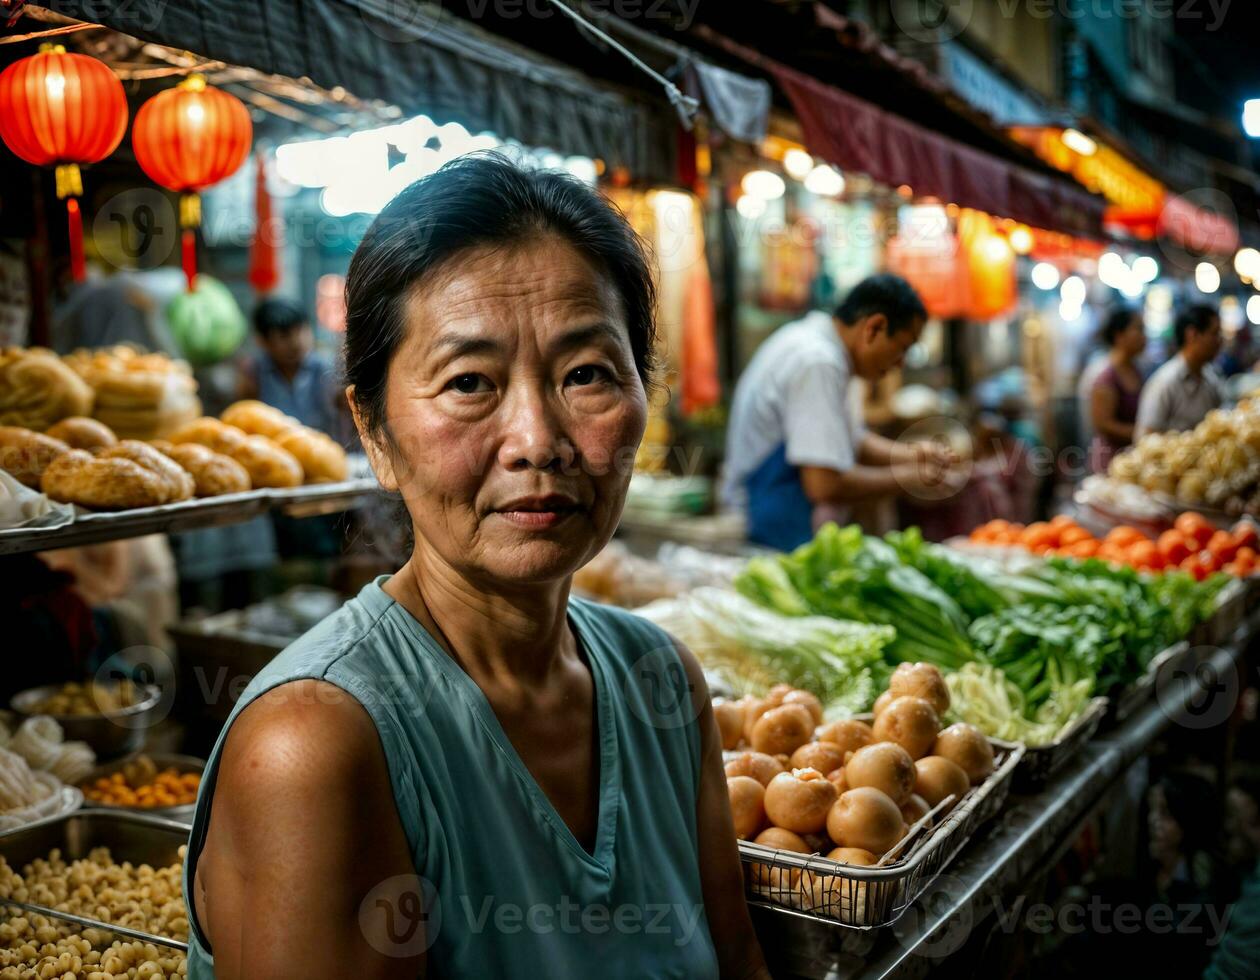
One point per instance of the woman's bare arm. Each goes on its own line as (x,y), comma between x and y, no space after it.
(1103,402)
(304,827)
(721,877)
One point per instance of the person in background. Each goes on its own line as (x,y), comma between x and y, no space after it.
(1117,388)
(1186,387)
(289,374)
(797,452)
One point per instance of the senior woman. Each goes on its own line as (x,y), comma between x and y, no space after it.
(466,772)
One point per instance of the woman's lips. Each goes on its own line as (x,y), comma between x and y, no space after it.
(537,519)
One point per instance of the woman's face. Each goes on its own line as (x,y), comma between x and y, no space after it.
(1133,339)
(514,410)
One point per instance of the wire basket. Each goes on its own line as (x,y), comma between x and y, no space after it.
(1043,761)
(866,897)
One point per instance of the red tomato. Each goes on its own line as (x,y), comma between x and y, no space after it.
(1074,535)
(1172,545)
(1236,570)
(1246,536)
(1143,553)
(1195,527)
(1222,545)
(1195,567)
(1123,536)
(1086,548)
(1246,556)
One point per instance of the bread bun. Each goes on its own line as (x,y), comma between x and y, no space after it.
(79,432)
(37,389)
(323,461)
(258,418)
(179,482)
(214,473)
(78,477)
(267,464)
(26,454)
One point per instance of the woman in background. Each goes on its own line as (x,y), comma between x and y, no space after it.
(1114,396)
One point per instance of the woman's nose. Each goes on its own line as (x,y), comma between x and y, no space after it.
(535,438)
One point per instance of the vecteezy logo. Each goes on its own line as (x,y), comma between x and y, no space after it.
(151,671)
(401,21)
(932,21)
(936,925)
(660,692)
(136,227)
(401,916)
(1200,696)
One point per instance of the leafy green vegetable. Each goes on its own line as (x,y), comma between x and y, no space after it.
(975,592)
(754,648)
(845,575)
(981,695)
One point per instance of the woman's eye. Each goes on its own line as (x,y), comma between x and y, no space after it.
(469,384)
(586,375)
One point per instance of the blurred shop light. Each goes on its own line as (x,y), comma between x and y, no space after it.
(1078,142)
(1021,240)
(750,207)
(1251,118)
(1112,270)
(763,184)
(825,181)
(995,248)
(797,163)
(1073,291)
(1147,269)
(1253,310)
(1247,263)
(1159,299)
(1069,312)
(1045,275)
(357,176)
(1207,277)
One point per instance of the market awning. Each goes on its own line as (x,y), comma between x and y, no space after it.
(856,135)
(416,56)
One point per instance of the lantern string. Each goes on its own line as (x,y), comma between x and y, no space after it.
(52,32)
(188,256)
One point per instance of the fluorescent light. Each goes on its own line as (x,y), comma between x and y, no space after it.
(1251,118)
(1253,310)
(1045,276)
(1069,312)
(1147,269)
(763,184)
(1022,240)
(798,163)
(825,181)
(1078,142)
(1073,291)
(1247,263)
(750,207)
(1207,277)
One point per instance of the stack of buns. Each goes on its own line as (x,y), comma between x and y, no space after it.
(38,389)
(138,395)
(322,460)
(267,464)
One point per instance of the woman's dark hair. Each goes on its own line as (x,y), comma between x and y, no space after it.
(887,294)
(1117,322)
(479,199)
(273,316)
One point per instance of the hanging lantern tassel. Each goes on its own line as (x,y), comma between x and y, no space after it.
(189,219)
(69,187)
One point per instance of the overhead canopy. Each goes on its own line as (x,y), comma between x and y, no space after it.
(416,56)
(856,135)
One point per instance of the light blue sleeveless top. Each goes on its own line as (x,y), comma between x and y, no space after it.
(511,892)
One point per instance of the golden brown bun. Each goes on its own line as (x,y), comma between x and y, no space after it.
(258,418)
(78,432)
(179,482)
(27,454)
(323,461)
(36,389)
(267,464)
(138,395)
(149,423)
(77,477)
(213,472)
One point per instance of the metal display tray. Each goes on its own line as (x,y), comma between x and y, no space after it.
(1043,761)
(132,837)
(93,527)
(1177,658)
(867,897)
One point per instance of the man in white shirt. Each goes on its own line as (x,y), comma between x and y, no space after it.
(797,452)
(1186,387)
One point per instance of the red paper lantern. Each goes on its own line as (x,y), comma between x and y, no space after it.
(62,110)
(186,139)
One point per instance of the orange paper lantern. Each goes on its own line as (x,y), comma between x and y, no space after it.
(186,139)
(62,110)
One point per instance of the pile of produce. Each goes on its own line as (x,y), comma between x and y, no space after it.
(1215,464)
(1193,544)
(1024,653)
(846,790)
(141,784)
(751,647)
(75,700)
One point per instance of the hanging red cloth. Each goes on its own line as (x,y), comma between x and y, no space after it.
(700,387)
(264,250)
